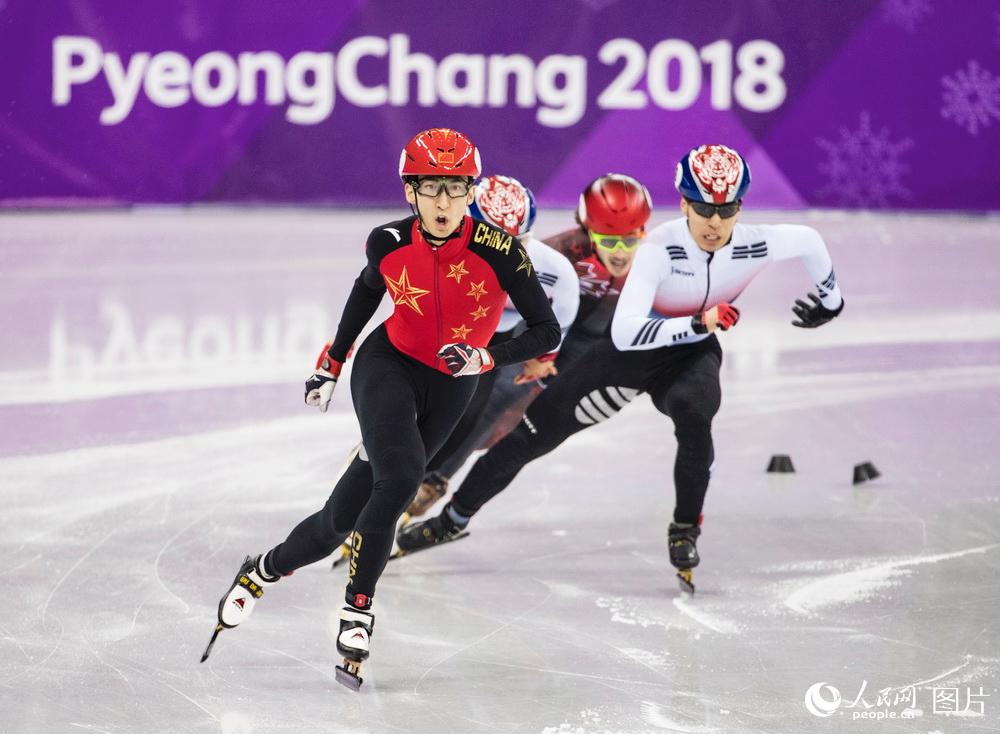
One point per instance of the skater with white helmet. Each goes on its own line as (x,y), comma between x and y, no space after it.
(507,203)
(679,294)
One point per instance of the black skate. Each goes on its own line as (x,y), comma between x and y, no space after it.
(431,490)
(343,552)
(237,603)
(684,553)
(419,536)
(354,643)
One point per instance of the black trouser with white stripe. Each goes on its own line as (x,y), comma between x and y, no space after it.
(683,382)
(406,411)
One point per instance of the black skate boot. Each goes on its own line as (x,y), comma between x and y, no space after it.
(354,641)
(431,490)
(682,539)
(343,552)
(237,603)
(420,535)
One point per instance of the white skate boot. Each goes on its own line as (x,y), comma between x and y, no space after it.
(354,643)
(237,603)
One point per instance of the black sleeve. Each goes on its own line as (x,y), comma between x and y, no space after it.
(543,332)
(365,297)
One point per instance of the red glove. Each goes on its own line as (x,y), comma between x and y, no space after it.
(724,316)
(319,387)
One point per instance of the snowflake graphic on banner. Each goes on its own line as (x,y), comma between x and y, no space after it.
(971,98)
(864,167)
(906,13)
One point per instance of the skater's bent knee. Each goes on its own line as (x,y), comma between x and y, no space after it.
(398,464)
(688,408)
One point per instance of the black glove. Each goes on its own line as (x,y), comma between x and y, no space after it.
(463,359)
(812,315)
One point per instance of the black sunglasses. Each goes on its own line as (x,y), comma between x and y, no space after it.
(702,209)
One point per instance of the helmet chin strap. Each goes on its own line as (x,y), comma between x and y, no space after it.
(432,238)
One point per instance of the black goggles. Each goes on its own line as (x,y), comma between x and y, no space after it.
(454,187)
(703,209)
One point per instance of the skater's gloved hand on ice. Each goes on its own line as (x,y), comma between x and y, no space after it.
(463,359)
(722,317)
(319,387)
(811,315)
(537,369)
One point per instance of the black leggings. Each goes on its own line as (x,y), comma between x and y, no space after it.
(495,397)
(406,410)
(683,383)
(462,441)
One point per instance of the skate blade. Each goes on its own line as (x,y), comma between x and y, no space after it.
(215,634)
(345,553)
(685,579)
(347,675)
(399,553)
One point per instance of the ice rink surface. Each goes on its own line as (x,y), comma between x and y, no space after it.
(152,432)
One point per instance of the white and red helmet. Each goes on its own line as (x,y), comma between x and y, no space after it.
(505,202)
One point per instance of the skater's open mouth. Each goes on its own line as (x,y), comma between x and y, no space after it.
(441,219)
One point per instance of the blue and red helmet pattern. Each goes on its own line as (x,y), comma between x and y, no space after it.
(505,202)
(713,174)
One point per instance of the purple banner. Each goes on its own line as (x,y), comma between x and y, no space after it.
(872,104)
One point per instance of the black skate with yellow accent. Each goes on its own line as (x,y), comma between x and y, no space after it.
(354,643)
(682,540)
(343,552)
(418,536)
(430,491)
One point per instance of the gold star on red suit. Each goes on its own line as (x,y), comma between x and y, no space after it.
(405,293)
(457,271)
(477,290)
(460,332)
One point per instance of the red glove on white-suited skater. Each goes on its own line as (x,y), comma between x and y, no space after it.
(722,317)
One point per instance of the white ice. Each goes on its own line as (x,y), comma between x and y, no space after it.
(139,462)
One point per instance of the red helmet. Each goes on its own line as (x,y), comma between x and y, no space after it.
(614,204)
(442,152)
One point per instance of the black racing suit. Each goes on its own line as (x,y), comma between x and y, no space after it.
(406,399)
